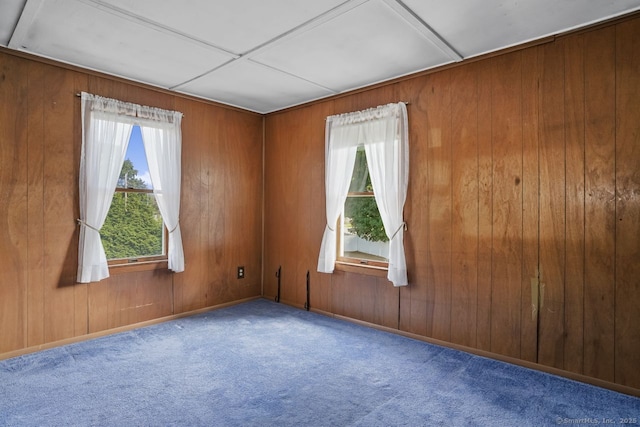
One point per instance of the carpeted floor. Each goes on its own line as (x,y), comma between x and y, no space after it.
(267,364)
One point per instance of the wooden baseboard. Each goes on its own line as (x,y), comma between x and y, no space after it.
(547,369)
(36,348)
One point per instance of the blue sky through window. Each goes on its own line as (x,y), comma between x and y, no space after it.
(135,153)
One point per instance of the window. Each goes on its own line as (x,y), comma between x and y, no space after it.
(362,238)
(111,180)
(379,136)
(133,230)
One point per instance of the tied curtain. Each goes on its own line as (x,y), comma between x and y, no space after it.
(383,131)
(106,128)
(162,141)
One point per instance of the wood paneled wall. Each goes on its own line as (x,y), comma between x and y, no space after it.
(523,207)
(40,140)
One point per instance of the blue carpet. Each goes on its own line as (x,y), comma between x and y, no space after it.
(267,364)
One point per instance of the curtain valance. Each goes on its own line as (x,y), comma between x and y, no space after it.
(103,107)
(376,113)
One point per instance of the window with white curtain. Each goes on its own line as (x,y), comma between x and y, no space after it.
(107,125)
(382,133)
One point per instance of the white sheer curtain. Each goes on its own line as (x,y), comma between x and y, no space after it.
(388,162)
(384,134)
(106,128)
(340,157)
(162,138)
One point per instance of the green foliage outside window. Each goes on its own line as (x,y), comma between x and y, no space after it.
(133,227)
(362,216)
(365,219)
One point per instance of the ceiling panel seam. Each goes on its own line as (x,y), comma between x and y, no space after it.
(27,16)
(206,73)
(312,23)
(7,32)
(295,31)
(423,28)
(328,89)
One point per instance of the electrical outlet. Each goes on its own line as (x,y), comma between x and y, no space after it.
(241,272)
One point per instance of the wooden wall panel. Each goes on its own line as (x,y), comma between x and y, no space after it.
(80,291)
(190,285)
(215,193)
(138,296)
(365,298)
(575,198)
(215,234)
(507,205)
(243,204)
(13,204)
(348,291)
(530,203)
(298,203)
(438,194)
(464,201)
(552,206)
(277,203)
(61,165)
(302,148)
(485,205)
(35,209)
(600,213)
(627,267)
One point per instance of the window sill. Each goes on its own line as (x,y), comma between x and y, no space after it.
(130,267)
(368,270)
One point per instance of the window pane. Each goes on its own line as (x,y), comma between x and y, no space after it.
(364,236)
(133,227)
(135,170)
(360,180)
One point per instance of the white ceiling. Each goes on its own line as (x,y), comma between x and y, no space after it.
(266,55)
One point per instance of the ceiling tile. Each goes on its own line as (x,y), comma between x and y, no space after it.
(475,27)
(254,87)
(81,34)
(9,14)
(367,44)
(235,25)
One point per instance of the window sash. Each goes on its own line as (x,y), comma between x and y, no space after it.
(340,257)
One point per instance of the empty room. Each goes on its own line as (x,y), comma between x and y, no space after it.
(322,213)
